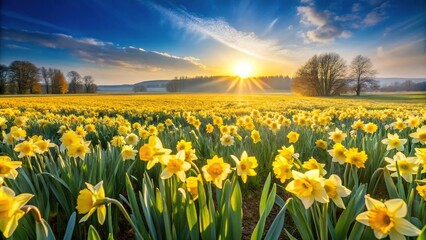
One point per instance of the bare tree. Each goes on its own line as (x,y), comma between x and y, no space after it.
(59,84)
(25,76)
(322,75)
(46,75)
(88,83)
(3,78)
(75,83)
(362,73)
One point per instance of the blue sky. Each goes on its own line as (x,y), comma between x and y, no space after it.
(131,41)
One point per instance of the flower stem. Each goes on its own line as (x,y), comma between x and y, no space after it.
(126,215)
(34,209)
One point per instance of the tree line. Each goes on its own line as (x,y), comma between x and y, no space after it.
(23,77)
(328,74)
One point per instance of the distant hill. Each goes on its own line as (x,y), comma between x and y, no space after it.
(402,84)
(153,83)
(391,81)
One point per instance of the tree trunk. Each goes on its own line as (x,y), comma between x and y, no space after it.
(358,87)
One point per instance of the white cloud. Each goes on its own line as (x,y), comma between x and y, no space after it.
(326,32)
(105,53)
(310,16)
(92,41)
(330,26)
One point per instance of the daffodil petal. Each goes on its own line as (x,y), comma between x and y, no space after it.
(405,227)
(379,235)
(395,235)
(85,217)
(339,202)
(165,174)
(101,213)
(307,201)
(12,224)
(397,207)
(362,218)
(371,203)
(181,175)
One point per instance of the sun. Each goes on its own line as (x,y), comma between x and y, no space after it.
(243,69)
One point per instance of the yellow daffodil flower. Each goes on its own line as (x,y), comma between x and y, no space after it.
(132,139)
(356,158)
(321,144)
(421,188)
(8,168)
(216,171)
(407,166)
(387,218)
(79,149)
(26,149)
(68,139)
(370,128)
(338,153)
(421,155)
(10,209)
(90,200)
(245,166)
(175,165)
(227,140)
(127,152)
(153,152)
(282,168)
(292,137)
(255,136)
(192,186)
(335,190)
(312,163)
(394,142)
(308,187)
(419,135)
(337,136)
(288,153)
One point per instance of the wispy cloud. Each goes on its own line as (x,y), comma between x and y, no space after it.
(15,46)
(270,26)
(376,15)
(221,31)
(105,53)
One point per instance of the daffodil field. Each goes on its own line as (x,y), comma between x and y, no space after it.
(179,167)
